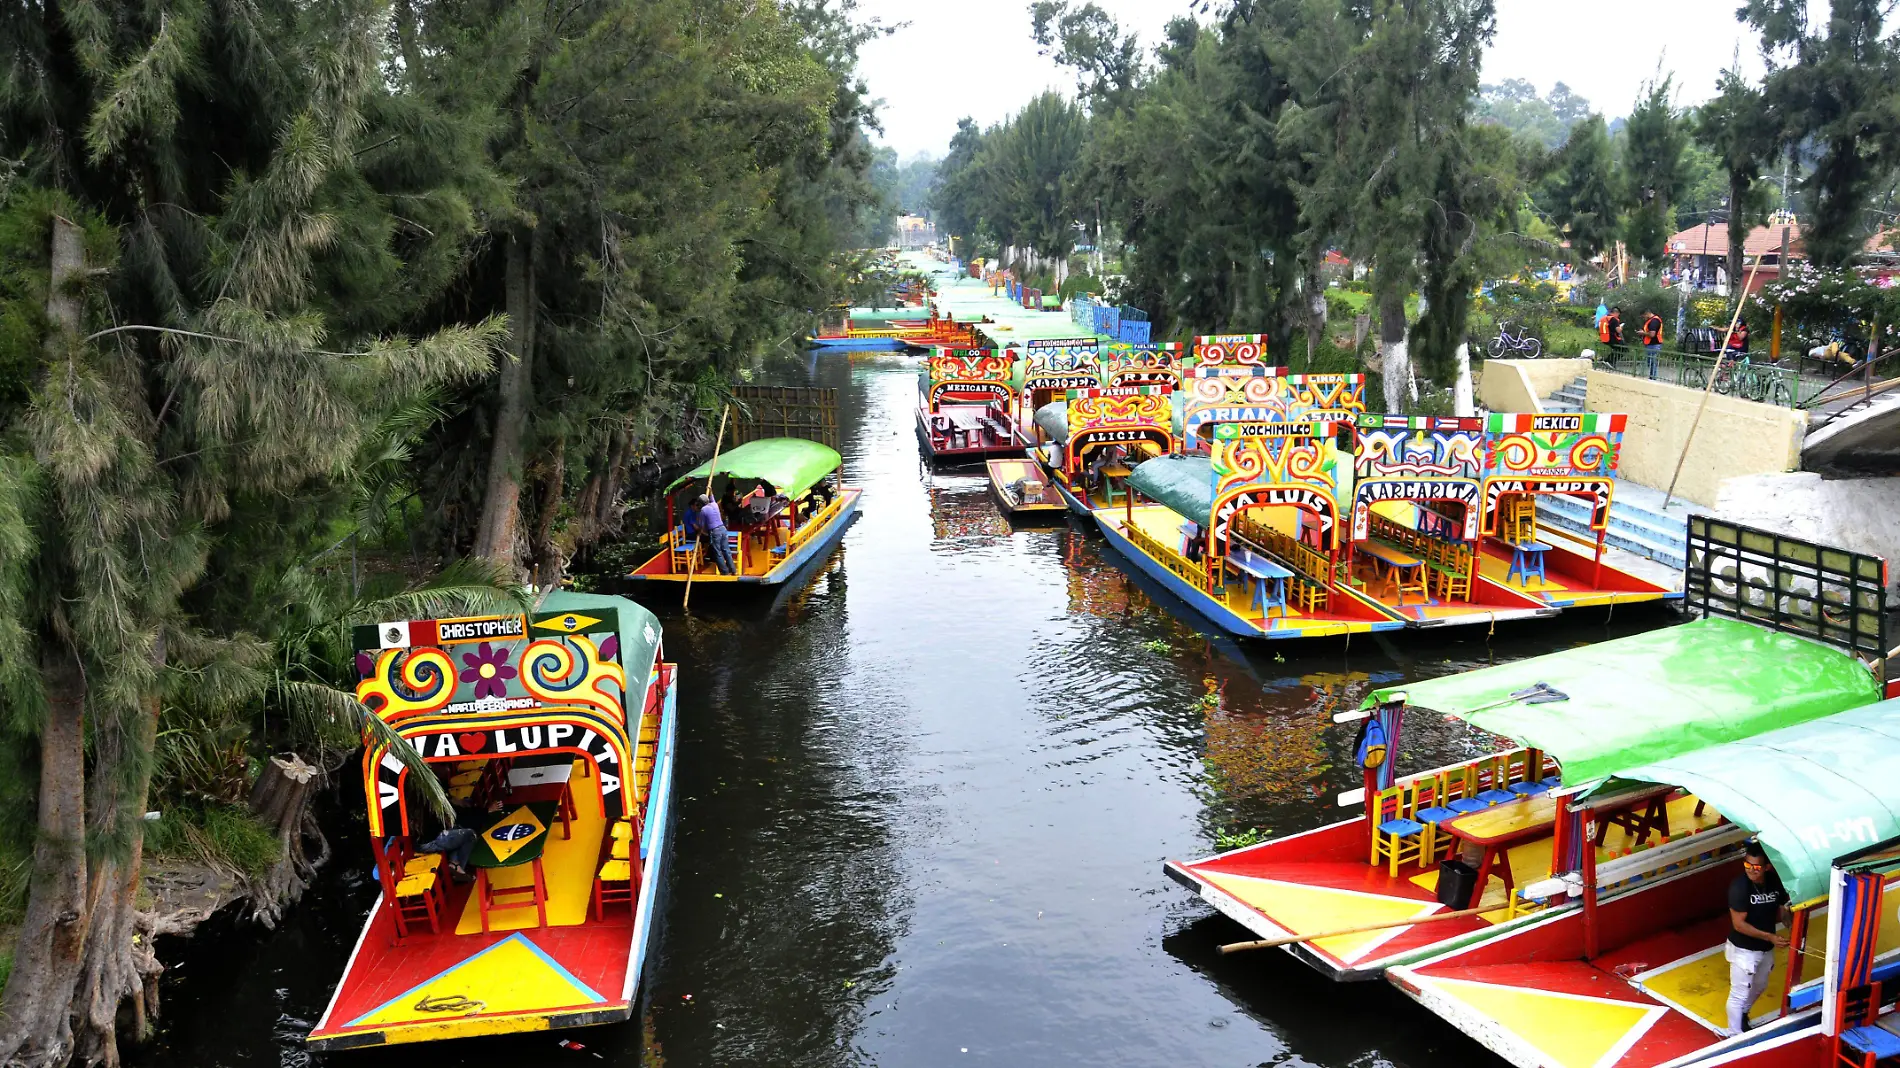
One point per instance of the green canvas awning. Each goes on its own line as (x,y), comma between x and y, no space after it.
(791,465)
(1810,792)
(1652,696)
(1183,483)
(888,315)
(639,631)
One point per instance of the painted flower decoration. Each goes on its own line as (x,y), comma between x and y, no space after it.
(487,667)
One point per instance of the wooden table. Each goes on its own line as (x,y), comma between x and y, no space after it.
(1639,813)
(1496,830)
(1526,557)
(517,835)
(1262,571)
(546,782)
(1398,564)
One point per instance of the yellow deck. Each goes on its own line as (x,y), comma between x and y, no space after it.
(1698,983)
(567,866)
(757,560)
(1164,526)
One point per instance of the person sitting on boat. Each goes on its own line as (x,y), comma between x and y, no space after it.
(705,522)
(821,496)
(1757,904)
(730,505)
(1196,541)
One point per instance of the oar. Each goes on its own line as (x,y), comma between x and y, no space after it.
(1541,693)
(712,472)
(1269,943)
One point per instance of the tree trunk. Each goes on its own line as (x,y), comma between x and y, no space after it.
(496,536)
(406,34)
(36,1010)
(1462,404)
(547,562)
(280,799)
(119,965)
(1737,233)
(1395,360)
(1315,287)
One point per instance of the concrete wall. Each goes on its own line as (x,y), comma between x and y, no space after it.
(1855,514)
(1736,437)
(1520,385)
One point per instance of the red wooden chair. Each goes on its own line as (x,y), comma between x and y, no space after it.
(1862,1043)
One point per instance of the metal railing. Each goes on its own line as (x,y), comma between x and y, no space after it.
(1750,376)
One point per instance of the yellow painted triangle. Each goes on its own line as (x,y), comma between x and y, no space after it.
(508,836)
(513,975)
(1300,908)
(1575,1032)
(567,624)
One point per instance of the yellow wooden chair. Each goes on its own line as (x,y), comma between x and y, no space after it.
(615,880)
(1395,834)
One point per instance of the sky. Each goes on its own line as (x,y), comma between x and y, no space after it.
(975,57)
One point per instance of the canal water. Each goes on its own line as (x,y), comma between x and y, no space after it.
(923,804)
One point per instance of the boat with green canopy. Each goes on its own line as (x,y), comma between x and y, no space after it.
(783,504)
(1434,845)
(1635,963)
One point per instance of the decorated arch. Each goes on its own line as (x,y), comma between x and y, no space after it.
(1278,464)
(1397,458)
(1572,455)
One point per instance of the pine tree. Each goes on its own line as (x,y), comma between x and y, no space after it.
(1654,169)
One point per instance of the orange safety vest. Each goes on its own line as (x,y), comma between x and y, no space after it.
(1607,326)
(1653,329)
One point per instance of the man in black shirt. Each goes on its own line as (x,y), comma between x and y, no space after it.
(1757,904)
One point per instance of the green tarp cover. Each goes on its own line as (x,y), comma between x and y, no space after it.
(1810,792)
(639,634)
(1053,418)
(886,315)
(1184,483)
(791,465)
(1652,696)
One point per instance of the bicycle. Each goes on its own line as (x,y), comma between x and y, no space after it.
(1521,344)
(1737,376)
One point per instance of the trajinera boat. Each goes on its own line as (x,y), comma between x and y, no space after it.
(966,406)
(553,736)
(1290,512)
(1565,902)
(1092,439)
(789,509)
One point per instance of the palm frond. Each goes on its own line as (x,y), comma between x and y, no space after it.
(317,702)
(465,587)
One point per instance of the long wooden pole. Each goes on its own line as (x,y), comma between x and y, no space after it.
(712,472)
(1269,943)
(1721,355)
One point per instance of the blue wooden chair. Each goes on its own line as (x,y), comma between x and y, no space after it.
(1395,835)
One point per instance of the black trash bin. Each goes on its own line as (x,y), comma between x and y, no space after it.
(1456,880)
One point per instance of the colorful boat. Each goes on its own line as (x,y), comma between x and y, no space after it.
(1790,634)
(793,511)
(1574,455)
(1022,490)
(553,733)
(1095,437)
(1635,976)
(1159,364)
(1575,717)
(966,407)
(1051,368)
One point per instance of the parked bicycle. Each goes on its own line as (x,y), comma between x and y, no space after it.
(1520,344)
(1739,377)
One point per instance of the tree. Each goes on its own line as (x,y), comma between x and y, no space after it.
(1085,37)
(1655,169)
(1737,129)
(1834,91)
(1580,191)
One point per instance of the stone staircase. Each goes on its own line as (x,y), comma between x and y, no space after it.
(1638,522)
(1567,399)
